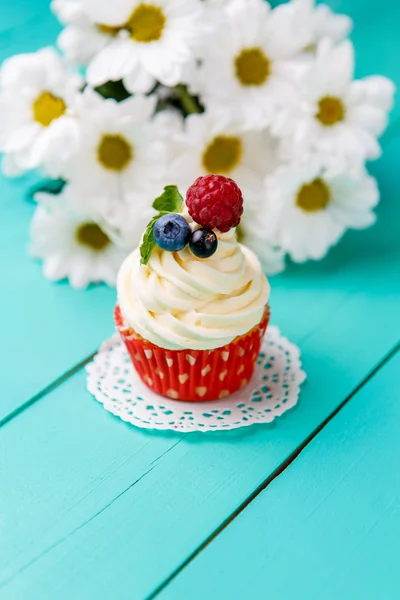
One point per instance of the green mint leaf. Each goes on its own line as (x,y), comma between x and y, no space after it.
(170,200)
(148,242)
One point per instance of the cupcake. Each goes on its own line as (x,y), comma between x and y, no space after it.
(192,302)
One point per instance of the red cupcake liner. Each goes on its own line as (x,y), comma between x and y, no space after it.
(194,375)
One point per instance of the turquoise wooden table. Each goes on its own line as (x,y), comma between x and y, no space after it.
(308,508)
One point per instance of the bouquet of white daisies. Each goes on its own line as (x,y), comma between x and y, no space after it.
(173,89)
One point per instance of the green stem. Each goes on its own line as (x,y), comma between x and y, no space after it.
(188,103)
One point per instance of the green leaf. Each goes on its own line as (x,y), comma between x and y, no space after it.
(170,200)
(113,89)
(148,243)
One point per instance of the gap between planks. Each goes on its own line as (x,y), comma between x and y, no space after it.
(276,473)
(78,528)
(46,390)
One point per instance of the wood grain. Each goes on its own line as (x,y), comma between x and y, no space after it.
(328,527)
(46,328)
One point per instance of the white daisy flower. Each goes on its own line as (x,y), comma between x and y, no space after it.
(310,209)
(209,145)
(71,242)
(169,123)
(109,148)
(325,23)
(247,72)
(213,9)
(256,232)
(216,3)
(149,41)
(334,116)
(36,93)
(81,39)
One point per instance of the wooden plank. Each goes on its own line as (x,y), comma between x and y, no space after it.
(46,328)
(328,527)
(88,502)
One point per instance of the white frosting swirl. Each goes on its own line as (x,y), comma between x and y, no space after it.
(178,301)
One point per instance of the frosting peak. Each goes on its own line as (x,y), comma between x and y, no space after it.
(179,301)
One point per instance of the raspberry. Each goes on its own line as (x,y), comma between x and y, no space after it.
(215,202)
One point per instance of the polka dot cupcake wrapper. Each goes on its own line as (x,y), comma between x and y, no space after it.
(272,390)
(194,375)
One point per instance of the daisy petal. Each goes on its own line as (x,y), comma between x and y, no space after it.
(112,63)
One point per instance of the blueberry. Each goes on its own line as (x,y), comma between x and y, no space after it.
(171,232)
(203,243)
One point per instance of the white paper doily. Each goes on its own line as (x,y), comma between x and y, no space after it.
(273,389)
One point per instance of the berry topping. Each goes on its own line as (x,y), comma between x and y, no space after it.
(215,202)
(171,232)
(203,243)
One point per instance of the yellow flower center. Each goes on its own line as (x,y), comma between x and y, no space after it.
(114,152)
(91,236)
(330,111)
(146,23)
(252,67)
(313,196)
(48,107)
(222,155)
(310,47)
(109,29)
